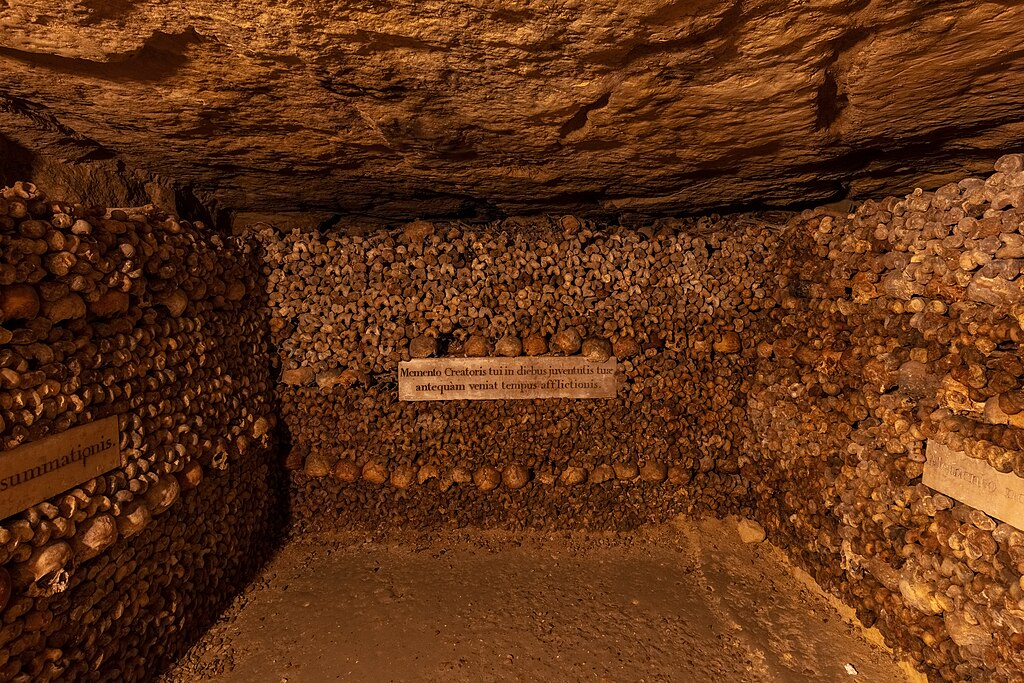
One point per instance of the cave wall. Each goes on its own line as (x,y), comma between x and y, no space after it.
(81,173)
(159,322)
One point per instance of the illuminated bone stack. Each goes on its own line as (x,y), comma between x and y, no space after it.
(787,369)
(677,303)
(897,324)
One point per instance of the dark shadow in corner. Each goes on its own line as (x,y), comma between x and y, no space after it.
(15,162)
(274,515)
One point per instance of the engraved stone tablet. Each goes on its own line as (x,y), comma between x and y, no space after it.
(36,471)
(449,379)
(974,482)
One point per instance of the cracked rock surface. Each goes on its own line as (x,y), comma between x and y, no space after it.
(477,109)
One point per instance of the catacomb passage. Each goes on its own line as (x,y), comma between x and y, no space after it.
(619,341)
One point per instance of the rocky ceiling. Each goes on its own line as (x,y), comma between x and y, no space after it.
(478,108)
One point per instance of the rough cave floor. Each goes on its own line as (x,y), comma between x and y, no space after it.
(681,602)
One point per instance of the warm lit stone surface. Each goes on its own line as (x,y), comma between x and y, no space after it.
(686,602)
(410,109)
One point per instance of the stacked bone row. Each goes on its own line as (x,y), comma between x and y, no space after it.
(678,304)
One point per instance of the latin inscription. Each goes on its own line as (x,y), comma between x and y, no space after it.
(449,379)
(974,482)
(36,471)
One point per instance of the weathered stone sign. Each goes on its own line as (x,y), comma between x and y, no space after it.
(36,471)
(448,379)
(974,482)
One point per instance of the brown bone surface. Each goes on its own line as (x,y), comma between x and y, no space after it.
(788,369)
(136,315)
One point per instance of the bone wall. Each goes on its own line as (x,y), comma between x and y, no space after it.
(679,303)
(158,322)
(786,369)
(900,323)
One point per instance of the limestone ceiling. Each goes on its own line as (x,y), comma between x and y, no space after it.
(488,107)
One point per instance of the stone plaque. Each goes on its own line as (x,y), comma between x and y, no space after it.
(449,379)
(974,482)
(36,471)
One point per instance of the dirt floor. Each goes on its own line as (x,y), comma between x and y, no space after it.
(684,602)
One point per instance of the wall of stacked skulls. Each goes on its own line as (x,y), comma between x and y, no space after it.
(134,314)
(898,324)
(792,372)
(678,303)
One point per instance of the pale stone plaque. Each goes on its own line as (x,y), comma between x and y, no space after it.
(36,471)
(974,482)
(449,379)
